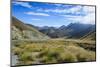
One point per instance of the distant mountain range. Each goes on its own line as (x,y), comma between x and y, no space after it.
(21,30)
(73,30)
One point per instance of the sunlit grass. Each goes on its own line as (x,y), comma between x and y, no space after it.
(51,51)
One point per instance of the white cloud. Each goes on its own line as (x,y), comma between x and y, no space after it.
(71,16)
(88,19)
(75,9)
(24,4)
(89,9)
(56,10)
(34,13)
(64,10)
(58,5)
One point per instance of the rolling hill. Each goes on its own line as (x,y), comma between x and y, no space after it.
(89,36)
(22,31)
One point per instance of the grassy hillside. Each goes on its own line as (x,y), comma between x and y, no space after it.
(89,36)
(22,31)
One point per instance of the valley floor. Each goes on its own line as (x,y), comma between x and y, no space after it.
(53,51)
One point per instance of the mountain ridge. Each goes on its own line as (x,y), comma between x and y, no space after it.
(73,30)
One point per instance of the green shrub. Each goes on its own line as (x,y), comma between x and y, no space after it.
(67,57)
(86,56)
(81,53)
(26,56)
(17,50)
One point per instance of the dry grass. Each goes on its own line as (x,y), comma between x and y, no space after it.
(51,51)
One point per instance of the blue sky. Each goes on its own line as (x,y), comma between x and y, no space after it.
(47,14)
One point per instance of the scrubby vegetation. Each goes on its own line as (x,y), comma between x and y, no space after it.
(51,51)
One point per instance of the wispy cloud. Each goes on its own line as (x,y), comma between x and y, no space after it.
(88,18)
(35,13)
(71,16)
(89,9)
(64,10)
(56,10)
(53,10)
(24,4)
(58,5)
(75,9)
